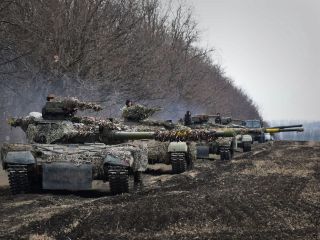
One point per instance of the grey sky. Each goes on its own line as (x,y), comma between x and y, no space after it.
(271,48)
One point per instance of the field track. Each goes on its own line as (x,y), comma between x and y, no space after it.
(272,192)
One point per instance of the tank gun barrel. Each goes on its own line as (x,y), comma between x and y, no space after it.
(265,130)
(108,136)
(288,126)
(277,130)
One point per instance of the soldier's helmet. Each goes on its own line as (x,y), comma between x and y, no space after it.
(50,97)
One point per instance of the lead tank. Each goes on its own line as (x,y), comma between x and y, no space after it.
(66,152)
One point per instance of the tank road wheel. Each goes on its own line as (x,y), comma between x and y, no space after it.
(19,179)
(225,155)
(137,178)
(228,155)
(178,162)
(261,139)
(118,180)
(221,155)
(246,147)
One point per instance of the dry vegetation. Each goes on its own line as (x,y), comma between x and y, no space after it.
(109,50)
(270,193)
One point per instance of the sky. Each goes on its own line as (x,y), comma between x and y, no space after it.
(270,48)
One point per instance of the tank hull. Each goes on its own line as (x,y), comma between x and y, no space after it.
(69,166)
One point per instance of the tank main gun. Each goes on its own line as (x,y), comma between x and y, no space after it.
(277,130)
(244,130)
(288,126)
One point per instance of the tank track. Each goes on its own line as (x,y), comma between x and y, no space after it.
(19,178)
(246,147)
(137,177)
(225,154)
(178,162)
(118,179)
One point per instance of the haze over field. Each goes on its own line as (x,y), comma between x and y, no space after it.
(269,48)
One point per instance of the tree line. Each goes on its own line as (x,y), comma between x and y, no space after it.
(108,51)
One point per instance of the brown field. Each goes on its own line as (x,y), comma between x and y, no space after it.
(271,193)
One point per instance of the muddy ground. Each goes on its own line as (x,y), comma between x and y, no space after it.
(271,193)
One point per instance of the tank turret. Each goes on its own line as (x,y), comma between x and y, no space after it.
(58,108)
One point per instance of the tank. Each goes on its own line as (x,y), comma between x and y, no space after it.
(243,136)
(67,152)
(224,146)
(179,154)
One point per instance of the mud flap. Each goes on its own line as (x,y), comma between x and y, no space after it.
(202,151)
(67,176)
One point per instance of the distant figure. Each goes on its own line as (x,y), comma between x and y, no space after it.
(218,119)
(187,118)
(128,103)
(50,97)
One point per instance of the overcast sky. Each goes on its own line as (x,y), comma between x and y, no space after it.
(271,48)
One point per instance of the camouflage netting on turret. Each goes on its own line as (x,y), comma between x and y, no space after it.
(50,133)
(138,112)
(79,128)
(74,103)
(106,123)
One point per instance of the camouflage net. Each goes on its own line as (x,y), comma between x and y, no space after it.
(158,152)
(165,124)
(50,133)
(13,147)
(74,103)
(133,156)
(138,112)
(21,122)
(224,141)
(47,131)
(191,135)
(106,123)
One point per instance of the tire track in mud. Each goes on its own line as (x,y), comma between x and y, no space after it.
(214,201)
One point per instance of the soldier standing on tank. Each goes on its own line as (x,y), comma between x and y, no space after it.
(187,119)
(50,97)
(129,103)
(218,119)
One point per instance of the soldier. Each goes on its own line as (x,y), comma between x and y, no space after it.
(218,119)
(128,103)
(50,97)
(187,119)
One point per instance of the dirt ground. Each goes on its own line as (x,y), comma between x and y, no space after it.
(271,193)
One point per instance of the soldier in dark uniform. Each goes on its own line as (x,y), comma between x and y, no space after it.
(128,103)
(187,118)
(50,97)
(218,119)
